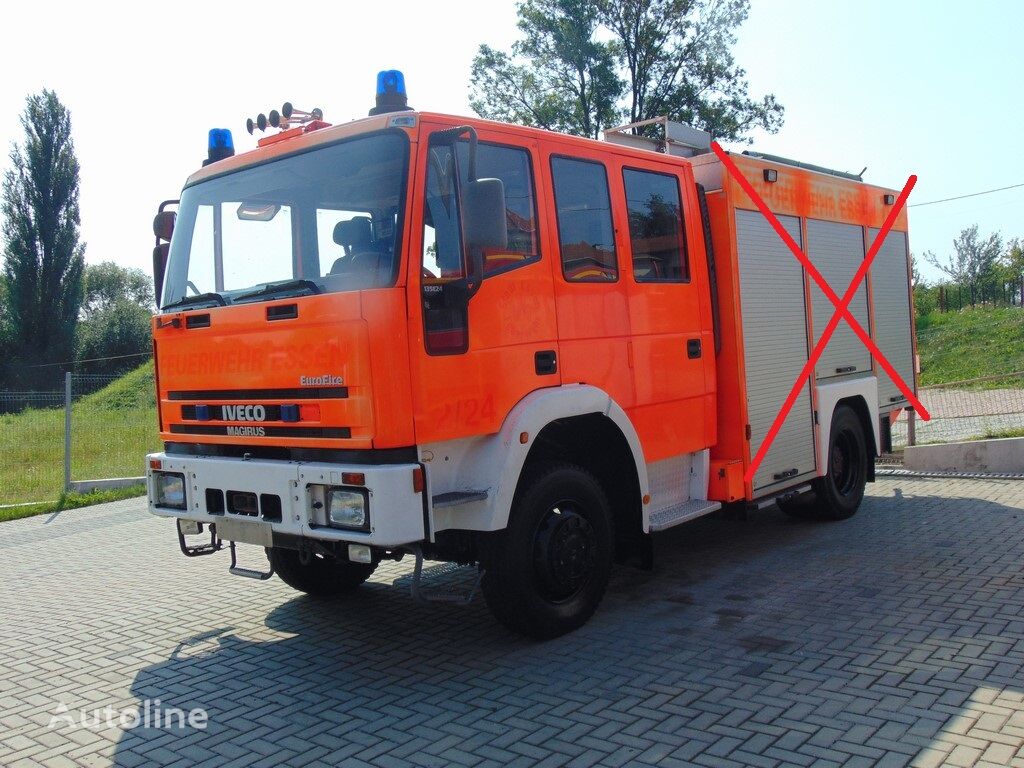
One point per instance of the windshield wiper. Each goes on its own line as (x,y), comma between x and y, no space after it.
(270,289)
(199,298)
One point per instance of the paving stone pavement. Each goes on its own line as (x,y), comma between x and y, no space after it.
(895,638)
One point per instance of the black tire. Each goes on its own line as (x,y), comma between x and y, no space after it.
(839,493)
(546,573)
(323,577)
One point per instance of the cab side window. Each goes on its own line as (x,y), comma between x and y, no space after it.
(656,227)
(586,237)
(512,166)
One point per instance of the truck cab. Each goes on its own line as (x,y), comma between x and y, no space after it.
(426,335)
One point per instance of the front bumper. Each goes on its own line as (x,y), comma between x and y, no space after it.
(396,510)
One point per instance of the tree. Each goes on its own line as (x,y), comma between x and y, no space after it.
(108,283)
(1015,267)
(973,260)
(114,339)
(43,258)
(557,77)
(114,332)
(585,64)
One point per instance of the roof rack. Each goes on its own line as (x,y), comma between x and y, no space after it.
(677,139)
(806,166)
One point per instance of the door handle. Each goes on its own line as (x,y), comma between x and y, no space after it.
(693,350)
(545,363)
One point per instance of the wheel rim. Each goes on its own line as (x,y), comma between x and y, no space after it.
(564,552)
(845,463)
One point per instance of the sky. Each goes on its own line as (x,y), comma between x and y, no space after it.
(901,86)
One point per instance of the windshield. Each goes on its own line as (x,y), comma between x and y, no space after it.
(326,220)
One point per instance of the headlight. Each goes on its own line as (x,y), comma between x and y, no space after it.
(346,508)
(170,489)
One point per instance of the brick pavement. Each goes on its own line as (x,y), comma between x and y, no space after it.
(895,638)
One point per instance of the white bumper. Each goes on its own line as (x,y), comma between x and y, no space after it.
(395,509)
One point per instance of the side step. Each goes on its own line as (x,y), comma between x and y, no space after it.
(681,513)
(456,498)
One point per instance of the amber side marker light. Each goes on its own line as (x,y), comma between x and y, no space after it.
(353,478)
(155,464)
(418,482)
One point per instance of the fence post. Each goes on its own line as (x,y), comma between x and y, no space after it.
(67,431)
(911,426)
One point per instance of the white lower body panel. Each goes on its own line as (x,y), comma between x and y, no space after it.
(395,509)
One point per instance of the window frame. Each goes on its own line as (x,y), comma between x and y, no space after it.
(611,218)
(533,192)
(684,241)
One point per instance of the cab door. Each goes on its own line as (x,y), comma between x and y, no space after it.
(672,343)
(477,347)
(591,308)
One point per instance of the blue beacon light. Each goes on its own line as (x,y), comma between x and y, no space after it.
(391,95)
(220,145)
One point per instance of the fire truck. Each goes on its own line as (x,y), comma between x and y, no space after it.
(451,339)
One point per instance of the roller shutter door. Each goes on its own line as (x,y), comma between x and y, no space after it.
(891,298)
(837,250)
(774,345)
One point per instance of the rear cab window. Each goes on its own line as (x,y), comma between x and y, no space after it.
(656,229)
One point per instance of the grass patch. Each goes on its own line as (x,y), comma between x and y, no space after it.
(985,341)
(999,434)
(72,501)
(111,432)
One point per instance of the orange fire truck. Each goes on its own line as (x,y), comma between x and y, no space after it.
(460,340)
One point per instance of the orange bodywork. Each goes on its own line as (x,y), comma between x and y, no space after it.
(625,337)
(797,192)
(628,338)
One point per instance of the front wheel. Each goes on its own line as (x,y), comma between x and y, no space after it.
(839,493)
(320,576)
(546,573)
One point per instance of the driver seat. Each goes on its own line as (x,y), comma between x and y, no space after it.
(362,258)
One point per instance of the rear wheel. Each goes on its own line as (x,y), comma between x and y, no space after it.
(546,573)
(319,576)
(839,493)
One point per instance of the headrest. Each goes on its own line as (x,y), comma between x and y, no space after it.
(354,233)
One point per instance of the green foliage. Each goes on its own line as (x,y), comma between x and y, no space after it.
(106,284)
(977,342)
(43,258)
(557,77)
(583,65)
(973,263)
(120,331)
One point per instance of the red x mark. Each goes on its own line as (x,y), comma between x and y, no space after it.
(842,305)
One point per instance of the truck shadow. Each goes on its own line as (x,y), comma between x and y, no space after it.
(909,606)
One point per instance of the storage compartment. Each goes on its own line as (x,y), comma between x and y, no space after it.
(774,346)
(890,294)
(837,250)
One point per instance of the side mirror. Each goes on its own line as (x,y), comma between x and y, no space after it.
(163,225)
(160,254)
(483,214)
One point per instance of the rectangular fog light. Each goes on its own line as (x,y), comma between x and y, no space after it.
(359,553)
(189,527)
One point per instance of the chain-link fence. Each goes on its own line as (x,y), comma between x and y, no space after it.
(98,429)
(992,406)
(31,446)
